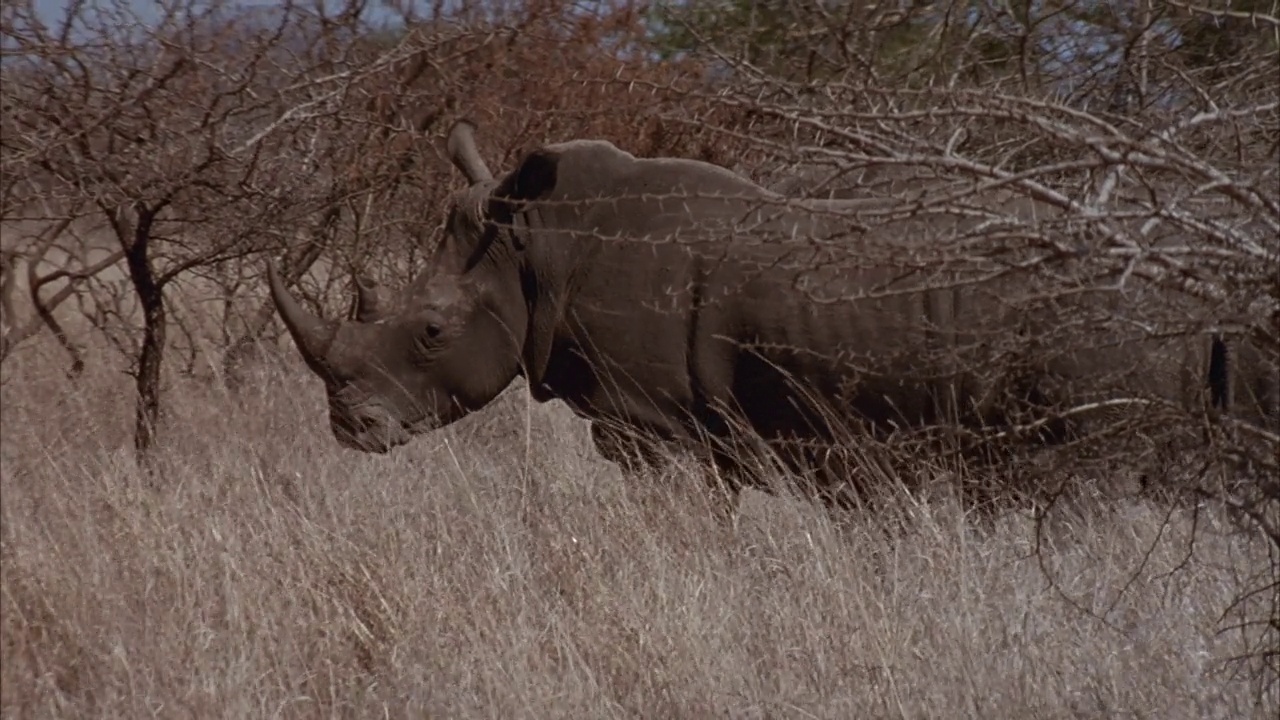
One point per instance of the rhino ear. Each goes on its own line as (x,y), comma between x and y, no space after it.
(369,304)
(535,177)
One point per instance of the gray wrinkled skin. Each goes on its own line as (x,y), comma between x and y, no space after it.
(668,299)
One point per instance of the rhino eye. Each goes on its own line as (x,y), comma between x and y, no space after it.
(427,342)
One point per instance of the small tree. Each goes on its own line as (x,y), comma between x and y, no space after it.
(182,137)
(1104,155)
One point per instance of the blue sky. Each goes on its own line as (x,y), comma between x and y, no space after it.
(148,11)
(1068,41)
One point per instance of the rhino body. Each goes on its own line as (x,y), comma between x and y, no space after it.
(671,300)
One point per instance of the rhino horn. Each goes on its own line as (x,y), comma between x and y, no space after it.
(310,333)
(369,305)
(462,151)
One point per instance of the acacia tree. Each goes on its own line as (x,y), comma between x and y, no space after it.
(186,139)
(75,263)
(211,135)
(1104,152)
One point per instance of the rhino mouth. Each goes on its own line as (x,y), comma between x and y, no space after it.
(367,444)
(373,440)
(372,428)
(381,438)
(371,432)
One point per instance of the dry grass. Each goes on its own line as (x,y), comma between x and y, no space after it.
(499,569)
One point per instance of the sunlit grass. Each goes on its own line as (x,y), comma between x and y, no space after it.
(500,569)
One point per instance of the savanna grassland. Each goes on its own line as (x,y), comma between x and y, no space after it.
(500,569)
(177,541)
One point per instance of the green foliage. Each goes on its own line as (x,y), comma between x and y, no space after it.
(1209,40)
(755,29)
(1039,43)
(791,38)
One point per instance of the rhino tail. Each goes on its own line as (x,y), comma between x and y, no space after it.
(1219,376)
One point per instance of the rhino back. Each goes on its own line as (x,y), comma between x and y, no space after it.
(696,293)
(693,323)
(810,343)
(699,294)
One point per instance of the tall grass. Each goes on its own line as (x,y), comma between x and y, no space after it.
(499,569)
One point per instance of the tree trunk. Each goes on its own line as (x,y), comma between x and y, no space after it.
(151,353)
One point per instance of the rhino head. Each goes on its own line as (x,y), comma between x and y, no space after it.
(452,345)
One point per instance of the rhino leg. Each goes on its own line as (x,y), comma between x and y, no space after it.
(725,477)
(636,454)
(824,472)
(1252,384)
(630,450)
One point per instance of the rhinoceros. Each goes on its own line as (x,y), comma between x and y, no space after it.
(674,301)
